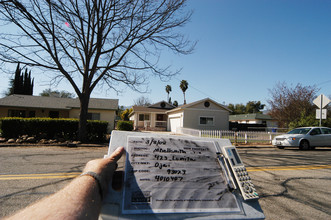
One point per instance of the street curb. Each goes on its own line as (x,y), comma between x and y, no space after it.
(54,145)
(255,146)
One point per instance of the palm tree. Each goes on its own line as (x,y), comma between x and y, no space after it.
(168,90)
(183,86)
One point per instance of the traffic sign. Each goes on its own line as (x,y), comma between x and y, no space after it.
(318,113)
(321,101)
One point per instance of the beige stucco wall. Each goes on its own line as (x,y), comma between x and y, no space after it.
(105,115)
(192,119)
(201,106)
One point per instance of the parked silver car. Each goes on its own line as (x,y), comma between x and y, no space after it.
(304,138)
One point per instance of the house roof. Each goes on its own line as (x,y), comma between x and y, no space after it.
(28,101)
(147,109)
(162,105)
(197,102)
(244,117)
(159,107)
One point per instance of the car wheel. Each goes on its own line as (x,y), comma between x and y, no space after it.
(280,147)
(304,145)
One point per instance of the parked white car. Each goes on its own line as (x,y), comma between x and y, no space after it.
(304,138)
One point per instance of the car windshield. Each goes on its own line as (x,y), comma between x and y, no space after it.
(299,131)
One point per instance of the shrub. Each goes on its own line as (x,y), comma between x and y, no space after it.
(51,128)
(97,130)
(125,125)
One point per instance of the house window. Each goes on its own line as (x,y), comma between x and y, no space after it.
(16,113)
(93,116)
(143,117)
(32,114)
(160,117)
(206,120)
(54,114)
(207,104)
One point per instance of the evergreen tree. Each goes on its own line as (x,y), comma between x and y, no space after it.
(22,83)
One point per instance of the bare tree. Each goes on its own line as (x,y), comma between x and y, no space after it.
(93,42)
(142,101)
(288,104)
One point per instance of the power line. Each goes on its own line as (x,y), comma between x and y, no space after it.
(198,90)
(325,82)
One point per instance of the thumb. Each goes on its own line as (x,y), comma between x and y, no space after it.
(116,155)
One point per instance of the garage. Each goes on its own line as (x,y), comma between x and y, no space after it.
(174,124)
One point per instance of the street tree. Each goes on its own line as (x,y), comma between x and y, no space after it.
(184,86)
(291,103)
(94,43)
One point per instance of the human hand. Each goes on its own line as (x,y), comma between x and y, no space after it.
(105,167)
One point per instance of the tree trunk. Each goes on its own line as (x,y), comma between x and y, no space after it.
(82,128)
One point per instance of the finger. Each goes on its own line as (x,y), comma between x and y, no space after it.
(116,155)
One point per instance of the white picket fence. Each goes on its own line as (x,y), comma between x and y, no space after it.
(243,137)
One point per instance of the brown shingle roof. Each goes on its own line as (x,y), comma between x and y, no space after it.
(28,101)
(147,109)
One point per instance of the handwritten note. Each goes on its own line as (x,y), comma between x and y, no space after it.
(166,175)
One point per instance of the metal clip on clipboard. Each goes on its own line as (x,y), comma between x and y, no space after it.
(225,167)
(222,161)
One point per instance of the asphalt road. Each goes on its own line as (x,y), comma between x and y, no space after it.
(292,184)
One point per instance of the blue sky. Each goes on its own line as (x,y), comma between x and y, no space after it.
(244,48)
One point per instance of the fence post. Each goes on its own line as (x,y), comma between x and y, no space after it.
(235,138)
(245,137)
(270,138)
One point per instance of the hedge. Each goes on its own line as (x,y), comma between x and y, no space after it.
(125,125)
(51,128)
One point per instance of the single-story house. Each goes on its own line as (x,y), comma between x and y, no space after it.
(256,119)
(153,117)
(205,114)
(28,106)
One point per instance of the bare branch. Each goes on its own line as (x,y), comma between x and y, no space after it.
(111,42)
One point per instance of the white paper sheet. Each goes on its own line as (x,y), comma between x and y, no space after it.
(166,175)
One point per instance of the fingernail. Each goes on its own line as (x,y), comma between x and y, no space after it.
(119,149)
